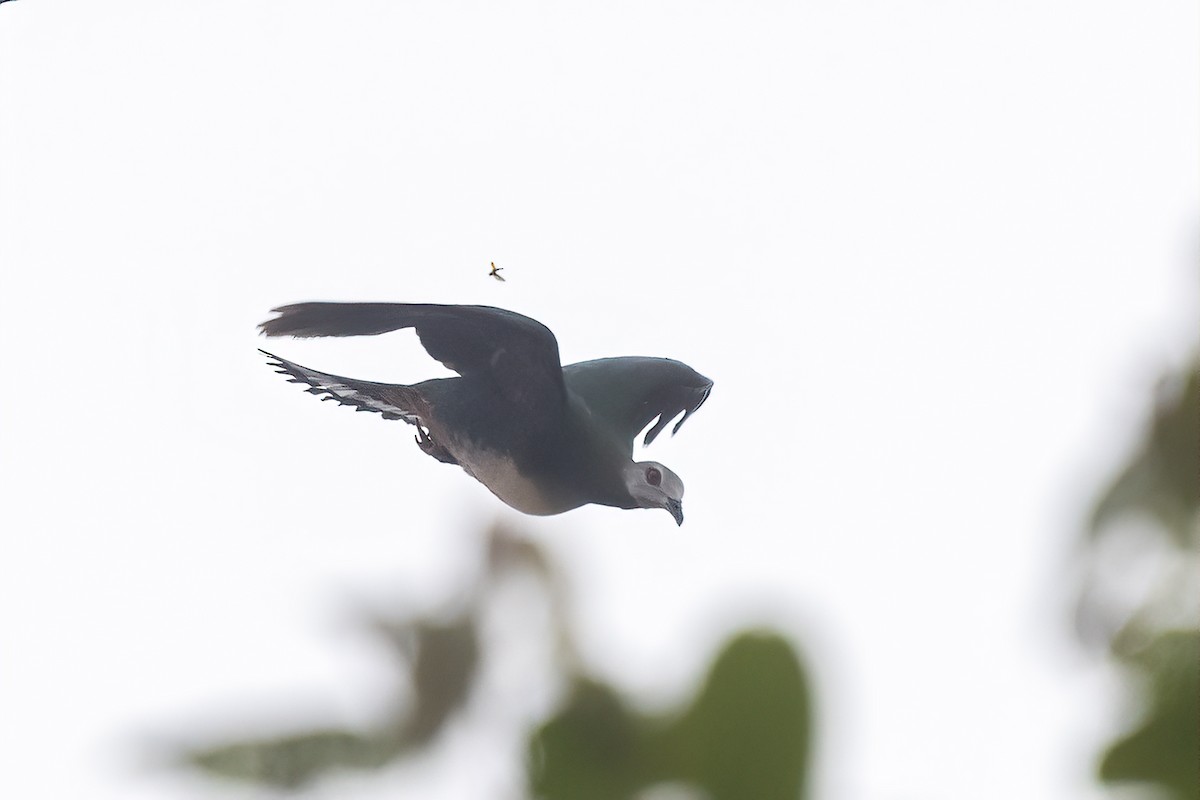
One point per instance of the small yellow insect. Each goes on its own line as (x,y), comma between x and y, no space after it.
(495,273)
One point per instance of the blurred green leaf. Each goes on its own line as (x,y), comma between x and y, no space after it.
(1165,747)
(590,749)
(746,735)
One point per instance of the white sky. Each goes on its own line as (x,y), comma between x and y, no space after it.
(934,255)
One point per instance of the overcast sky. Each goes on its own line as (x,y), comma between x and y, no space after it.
(934,256)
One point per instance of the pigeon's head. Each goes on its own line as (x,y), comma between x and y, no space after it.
(654,486)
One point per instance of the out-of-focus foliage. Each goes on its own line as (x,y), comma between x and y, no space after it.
(442,663)
(1161,479)
(438,655)
(1156,638)
(1165,748)
(746,734)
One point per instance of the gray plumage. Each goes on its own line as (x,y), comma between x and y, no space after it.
(543,437)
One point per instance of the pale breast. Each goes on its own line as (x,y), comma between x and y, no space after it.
(499,474)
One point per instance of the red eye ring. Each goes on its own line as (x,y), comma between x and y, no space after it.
(653,476)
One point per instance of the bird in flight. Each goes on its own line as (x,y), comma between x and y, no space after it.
(543,437)
(495,273)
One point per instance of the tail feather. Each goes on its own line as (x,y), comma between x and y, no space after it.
(392,401)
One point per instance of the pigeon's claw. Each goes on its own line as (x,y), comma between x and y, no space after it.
(431,448)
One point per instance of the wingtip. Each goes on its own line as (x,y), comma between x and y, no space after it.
(274,326)
(269,327)
(675,428)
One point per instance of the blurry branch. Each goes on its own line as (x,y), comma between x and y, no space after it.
(1161,479)
(509,553)
(1155,639)
(441,658)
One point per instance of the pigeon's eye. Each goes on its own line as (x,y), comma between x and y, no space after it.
(653,476)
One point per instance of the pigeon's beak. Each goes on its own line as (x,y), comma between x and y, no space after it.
(676,509)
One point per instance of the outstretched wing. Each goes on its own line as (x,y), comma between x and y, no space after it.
(515,355)
(390,400)
(627,393)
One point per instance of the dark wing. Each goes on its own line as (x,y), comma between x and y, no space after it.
(390,400)
(516,355)
(627,393)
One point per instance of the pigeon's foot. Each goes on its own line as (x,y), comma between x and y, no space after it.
(431,448)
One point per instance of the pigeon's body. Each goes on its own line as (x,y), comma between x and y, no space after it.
(543,438)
